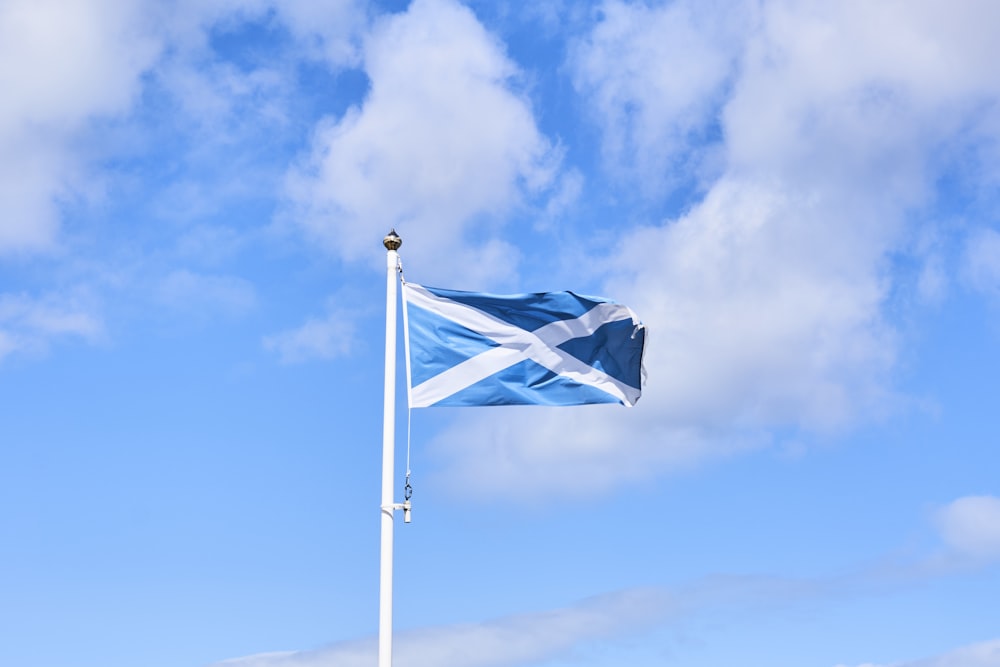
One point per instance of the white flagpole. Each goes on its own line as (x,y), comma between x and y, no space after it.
(391,243)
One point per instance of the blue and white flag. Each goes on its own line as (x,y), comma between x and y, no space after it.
(554,348)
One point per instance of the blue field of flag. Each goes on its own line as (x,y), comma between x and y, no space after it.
(553,348)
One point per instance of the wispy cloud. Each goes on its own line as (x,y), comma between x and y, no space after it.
(528,638)
(29,325)
(981,654)
(563,633)
(200,294)
(330,30)
(515,640)
(324,338)
(981,267)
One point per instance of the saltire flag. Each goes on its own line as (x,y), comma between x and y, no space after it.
(552,348)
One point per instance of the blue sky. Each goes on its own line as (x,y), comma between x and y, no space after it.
(799,199)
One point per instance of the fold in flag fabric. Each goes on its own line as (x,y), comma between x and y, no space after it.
(552,348)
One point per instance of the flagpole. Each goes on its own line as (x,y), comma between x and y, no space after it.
(391,243)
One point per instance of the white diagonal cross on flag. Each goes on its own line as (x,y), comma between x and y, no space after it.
(516,345)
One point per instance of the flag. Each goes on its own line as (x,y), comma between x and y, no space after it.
(552,348)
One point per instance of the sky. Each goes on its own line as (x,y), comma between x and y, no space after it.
(799,198)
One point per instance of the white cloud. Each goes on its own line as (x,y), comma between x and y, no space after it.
(441,143)
(763,310)
(64,65)
(970,526)
(28,325)
(61,64)
(655,79)
(766,301)
(755,321)
(858,94)
(65,62)
(516,640)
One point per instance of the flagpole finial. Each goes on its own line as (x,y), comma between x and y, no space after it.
(392,241)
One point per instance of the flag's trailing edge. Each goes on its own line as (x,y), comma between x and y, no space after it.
(553,348)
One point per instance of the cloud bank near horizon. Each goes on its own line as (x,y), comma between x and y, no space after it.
(967,526)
